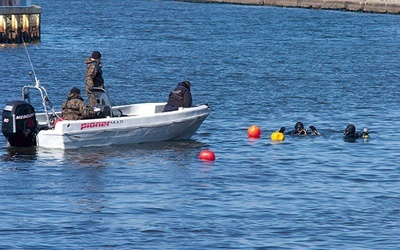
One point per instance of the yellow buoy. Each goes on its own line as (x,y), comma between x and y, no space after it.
(278,135)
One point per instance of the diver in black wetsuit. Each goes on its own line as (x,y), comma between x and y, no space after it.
(299,130)
(350,133)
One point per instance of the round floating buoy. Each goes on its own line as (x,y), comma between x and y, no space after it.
(207,155)
(277,136)
(254,131)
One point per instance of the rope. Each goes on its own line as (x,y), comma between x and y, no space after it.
(30,62)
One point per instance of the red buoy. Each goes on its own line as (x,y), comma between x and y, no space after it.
(254,131)
(207,155)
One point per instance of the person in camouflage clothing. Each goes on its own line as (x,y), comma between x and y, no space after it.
(74,107)
(93,76)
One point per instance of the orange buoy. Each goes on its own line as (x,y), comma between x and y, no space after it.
(254,131)
(207,155)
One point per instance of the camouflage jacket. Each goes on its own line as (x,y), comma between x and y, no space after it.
(74,108)
(94,73)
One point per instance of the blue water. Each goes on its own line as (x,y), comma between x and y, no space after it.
(258,65)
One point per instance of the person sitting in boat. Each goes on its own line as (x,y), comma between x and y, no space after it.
(299,130)
(179,97)
(94,76)
(74,107)
(350,133)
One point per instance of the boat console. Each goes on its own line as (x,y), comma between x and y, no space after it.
(103,102)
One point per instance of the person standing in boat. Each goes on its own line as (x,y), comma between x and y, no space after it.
(74,107)
(179,97)
(93,76)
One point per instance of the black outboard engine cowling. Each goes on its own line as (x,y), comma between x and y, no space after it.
(19,124)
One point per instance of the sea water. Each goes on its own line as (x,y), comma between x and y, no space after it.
(254,65)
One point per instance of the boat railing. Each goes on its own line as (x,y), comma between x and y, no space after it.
(51,115)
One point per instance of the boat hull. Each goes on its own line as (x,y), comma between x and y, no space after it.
(137,123)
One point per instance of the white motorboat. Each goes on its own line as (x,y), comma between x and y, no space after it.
(126,124)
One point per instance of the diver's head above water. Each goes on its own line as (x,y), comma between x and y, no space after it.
(299,129)
(350,131)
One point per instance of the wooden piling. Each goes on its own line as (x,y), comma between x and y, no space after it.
(20,24)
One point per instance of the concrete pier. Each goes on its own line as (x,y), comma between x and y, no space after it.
(375,6)
(18,24)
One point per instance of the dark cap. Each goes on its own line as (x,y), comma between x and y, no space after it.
(96,55)
(75,90)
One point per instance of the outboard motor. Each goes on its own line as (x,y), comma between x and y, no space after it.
(19,124)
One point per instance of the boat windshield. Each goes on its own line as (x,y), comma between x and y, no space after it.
(102,99)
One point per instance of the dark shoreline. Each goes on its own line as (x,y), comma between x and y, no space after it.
(372,6)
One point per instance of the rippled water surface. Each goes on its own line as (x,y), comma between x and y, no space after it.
(255,65)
